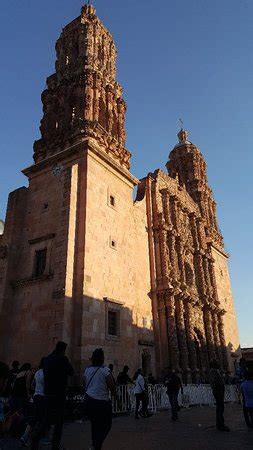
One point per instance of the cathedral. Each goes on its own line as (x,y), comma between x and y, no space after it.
(83,261)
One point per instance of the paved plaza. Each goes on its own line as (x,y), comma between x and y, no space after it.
(194,431)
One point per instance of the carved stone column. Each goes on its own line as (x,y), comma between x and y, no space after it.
(180,260)
(109,101)
(164,255)
(163,327)
(207,275)
(88,96)
(172,331)
(194,231)
(174,211)
(121,121)
(172,248)
(223,343)
(182,339)
(98,83)
(158,265)
(200,272)
(165,204)
(192,357)
(218,349)
(209,333)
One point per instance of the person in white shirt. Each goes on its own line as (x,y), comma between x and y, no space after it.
(141,395)
(98,383)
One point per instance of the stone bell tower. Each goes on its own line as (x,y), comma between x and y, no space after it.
(83,97)
(186,163)
(74,262)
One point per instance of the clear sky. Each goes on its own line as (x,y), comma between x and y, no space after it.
(190,59)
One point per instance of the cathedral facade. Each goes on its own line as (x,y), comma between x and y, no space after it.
(81,261)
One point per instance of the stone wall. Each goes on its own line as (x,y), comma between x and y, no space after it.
(226,301)
(116,269)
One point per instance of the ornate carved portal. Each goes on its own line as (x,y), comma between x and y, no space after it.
(184,226)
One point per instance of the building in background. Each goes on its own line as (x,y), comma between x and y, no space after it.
(247,354)
(81,261)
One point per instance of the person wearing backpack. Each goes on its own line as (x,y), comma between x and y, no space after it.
(98,382)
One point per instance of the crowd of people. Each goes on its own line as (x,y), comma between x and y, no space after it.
(36,401)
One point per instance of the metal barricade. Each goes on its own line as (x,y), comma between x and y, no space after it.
(193,394)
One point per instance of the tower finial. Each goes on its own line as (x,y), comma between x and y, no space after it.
(182,124)
(183,136)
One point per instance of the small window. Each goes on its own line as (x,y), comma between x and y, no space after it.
(113,323)
(112,200)
(56,125)
(67,60)
(40,262)
(113,243)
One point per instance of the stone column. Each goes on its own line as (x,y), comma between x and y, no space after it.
(182,339)
(164,254)
(194,230)
(121,121)
(218,349)
(174,211)
(158,264)
(88,96)
(172,250)
(206,274)
(172,331)
(165,203)
(223,343)
(109,107)
(164,341)
(180,260)
(96,99)
(190,339)
(209,333)
(200,273)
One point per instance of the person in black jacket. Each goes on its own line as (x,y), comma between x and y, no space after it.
(173,385)
(57,369)
(218,388)
(123,377)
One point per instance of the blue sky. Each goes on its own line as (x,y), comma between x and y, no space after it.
(190,59)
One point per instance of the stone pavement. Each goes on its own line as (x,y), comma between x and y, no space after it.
(194,431)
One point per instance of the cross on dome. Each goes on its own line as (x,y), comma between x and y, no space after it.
(183,136)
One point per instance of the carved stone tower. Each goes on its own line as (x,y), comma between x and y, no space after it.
(83,97)
(188,165)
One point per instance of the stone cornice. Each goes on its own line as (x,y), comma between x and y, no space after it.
(42,238)
(31,280)
(219,250)
(84,144)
